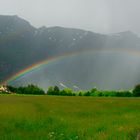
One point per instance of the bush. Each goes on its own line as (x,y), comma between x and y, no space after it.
(68,92)
(123,94)
(93,90)
(80,94)
(32,89)
(136,91)
(12,89)
(4,92)
(87,93)
(50,91)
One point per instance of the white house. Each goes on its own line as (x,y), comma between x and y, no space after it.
(3,88)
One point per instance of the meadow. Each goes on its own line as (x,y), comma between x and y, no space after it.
(68,118)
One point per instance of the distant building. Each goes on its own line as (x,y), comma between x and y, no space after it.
(3,88)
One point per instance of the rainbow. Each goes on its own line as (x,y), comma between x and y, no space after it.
(47,61)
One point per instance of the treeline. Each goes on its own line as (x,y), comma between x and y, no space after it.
(30,89)
(94,92)
(35,90)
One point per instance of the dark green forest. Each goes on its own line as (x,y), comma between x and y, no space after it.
(55,90)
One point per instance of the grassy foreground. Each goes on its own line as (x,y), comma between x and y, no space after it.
(68,118)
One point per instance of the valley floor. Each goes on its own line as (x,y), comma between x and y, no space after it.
(68,118)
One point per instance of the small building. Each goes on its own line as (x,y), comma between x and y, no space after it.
(3,88)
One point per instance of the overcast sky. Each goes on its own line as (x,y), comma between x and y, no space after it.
(103,16)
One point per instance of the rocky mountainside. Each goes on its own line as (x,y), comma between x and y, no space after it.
(22,45)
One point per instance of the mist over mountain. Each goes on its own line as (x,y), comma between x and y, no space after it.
(22,45)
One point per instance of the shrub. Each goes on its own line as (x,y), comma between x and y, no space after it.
(12,89)
(87,93)
(136,91)
(80,94)
(123,94)
(50,91)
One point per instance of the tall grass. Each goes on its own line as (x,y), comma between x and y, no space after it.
(65,118)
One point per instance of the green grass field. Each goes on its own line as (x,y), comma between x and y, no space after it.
(68,118)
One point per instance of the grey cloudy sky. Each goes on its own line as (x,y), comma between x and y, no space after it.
(102,16)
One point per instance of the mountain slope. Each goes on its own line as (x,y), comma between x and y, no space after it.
(22,45)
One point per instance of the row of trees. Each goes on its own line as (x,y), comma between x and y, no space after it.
(94,92)
(35,90)
(56,91)
(30,89)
